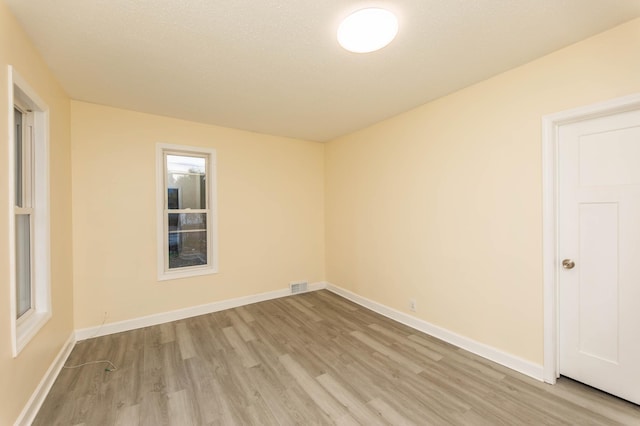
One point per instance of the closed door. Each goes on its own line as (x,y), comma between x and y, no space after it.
(599,241)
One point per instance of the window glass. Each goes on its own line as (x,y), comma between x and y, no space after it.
(179,222)
(186,183)
(18,156)
(186,191)
(187,249)
(23,264)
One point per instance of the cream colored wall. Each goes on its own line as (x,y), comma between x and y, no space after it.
(20,376)
(444,203)
(270,216)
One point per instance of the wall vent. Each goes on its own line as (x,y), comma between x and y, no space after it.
(298,287)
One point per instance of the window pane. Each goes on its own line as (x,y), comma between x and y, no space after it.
(18,156)
(23,263)
(187,221)
(187,249)
(186,182)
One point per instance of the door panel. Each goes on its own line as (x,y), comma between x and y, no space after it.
(610,157)
(599,229)
(598,281)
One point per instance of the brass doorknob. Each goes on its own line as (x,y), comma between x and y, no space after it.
(568,264)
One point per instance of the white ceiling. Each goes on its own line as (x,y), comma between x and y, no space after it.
(274,66)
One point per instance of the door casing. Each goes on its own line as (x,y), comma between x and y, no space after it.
(550,256)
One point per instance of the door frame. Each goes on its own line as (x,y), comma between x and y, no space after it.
(550,257)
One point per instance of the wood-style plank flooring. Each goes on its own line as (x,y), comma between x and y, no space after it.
(313,358)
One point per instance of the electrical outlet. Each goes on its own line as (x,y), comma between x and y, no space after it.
(412,305)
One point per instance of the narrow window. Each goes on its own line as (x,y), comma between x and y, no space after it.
(188,211)
(23,211)
(29,224)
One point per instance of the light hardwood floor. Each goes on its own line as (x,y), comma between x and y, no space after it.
(308,359)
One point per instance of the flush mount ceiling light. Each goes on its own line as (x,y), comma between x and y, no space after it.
(367,30)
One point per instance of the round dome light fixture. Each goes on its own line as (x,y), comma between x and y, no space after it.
(367,30)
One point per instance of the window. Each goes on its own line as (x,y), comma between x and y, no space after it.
(187,214)
(29,222)
(23,211)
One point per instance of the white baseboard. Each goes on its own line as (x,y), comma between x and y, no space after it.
(508,360)
(32,407)
(164,317)
(511,361)
(37,398)
(321,285)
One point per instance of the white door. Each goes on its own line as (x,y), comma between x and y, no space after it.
(599,231)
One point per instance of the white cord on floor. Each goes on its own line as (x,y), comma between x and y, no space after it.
(113,367)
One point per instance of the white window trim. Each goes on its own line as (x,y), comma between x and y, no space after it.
(161,239)
(23,330)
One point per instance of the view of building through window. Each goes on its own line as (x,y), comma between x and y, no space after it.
(187,210)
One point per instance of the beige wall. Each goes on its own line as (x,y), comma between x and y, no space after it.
(270,216)
(443,203)
(20,376)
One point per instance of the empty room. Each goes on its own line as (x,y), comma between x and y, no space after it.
(303,212)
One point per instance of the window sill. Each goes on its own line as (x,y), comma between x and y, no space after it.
(27,329)
(191,272)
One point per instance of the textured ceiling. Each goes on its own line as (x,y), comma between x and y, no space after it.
(274,66)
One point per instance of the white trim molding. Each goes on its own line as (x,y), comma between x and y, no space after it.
(550,126)
(508,360)
(164,317)
(511,361)
(38,396)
